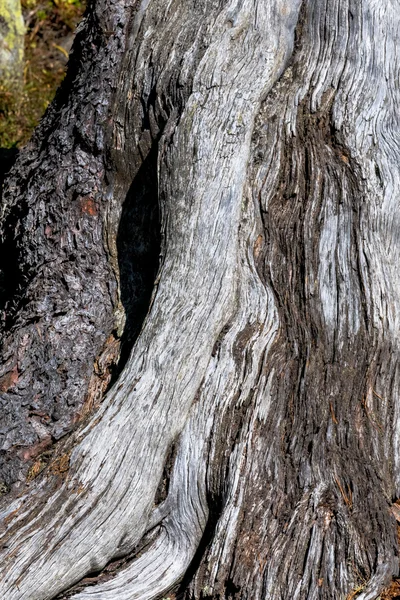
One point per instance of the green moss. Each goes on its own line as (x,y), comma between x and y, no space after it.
(22,103)
(12,31)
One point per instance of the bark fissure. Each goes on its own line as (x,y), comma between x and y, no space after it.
(138,247)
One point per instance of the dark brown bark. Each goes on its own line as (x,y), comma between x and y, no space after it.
(59,290)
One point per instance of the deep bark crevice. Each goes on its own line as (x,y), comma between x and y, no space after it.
(8,156)
(111,569)
(163,486)
(215,507)
(138,245)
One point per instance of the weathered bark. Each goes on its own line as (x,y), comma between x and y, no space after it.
(212,197)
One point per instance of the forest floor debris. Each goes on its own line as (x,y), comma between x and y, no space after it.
(50,27)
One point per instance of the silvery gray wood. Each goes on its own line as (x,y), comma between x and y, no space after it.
(264,377)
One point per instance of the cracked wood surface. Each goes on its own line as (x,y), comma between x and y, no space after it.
(268,357)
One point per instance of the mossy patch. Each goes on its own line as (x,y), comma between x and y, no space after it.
(50,26)
(12,30)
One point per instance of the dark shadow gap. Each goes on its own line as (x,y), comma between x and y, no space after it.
(215,505)
(138,245)
(8,157)
(10,278)
(163,486)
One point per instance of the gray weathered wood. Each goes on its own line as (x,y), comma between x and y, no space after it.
(249,447)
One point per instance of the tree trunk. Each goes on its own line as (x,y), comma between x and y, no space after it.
(204,224)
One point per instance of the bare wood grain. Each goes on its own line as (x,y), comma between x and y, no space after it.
(268,356)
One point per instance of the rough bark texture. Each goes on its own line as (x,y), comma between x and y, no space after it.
(212,198)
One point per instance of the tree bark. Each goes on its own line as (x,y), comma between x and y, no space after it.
(204,224)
